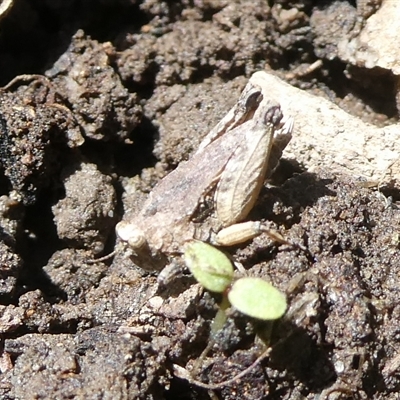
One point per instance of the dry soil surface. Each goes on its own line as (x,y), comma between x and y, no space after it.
(100,100)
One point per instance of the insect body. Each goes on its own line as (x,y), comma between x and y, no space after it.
(231,165)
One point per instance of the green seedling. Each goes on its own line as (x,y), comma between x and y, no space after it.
(251,296)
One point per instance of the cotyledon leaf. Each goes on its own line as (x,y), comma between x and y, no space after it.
(209,266)
(257,298)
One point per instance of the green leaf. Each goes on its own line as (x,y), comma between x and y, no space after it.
(209,266)
(257,298)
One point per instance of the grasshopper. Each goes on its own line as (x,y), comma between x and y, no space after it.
(223,178)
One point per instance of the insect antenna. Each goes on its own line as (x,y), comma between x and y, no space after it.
(104,258)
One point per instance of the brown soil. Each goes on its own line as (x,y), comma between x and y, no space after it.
(113,95)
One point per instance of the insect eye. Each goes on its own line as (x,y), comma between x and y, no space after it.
(253,100)
(273,115)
